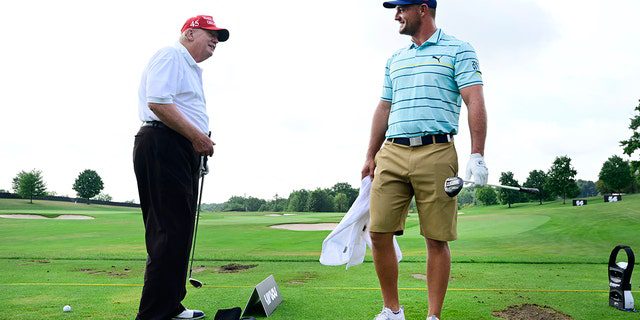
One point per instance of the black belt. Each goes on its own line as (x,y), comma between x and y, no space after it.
(155,124)
(422,141)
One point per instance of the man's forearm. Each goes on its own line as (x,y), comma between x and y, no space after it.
(378,128)
(477,126)
(474,99)
(171,116)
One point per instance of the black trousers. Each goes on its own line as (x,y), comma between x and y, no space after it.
(166,168)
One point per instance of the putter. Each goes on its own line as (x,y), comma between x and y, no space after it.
(204,169)
(453,186)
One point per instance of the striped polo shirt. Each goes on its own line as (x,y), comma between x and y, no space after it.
(423,85)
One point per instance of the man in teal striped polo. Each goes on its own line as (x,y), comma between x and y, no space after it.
(417,119)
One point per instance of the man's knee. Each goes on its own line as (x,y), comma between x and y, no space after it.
(379,240)
(437,245)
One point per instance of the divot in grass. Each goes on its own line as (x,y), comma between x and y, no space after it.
(111,273)
(302,278)
(198,269)
(235,267)
(531,312)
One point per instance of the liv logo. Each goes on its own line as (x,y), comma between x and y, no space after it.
(266,297)
(271,295)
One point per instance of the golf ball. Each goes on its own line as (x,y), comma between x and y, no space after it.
(66,308)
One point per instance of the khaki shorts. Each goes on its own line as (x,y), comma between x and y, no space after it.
(402,172)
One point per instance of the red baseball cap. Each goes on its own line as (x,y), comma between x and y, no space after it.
(207,23)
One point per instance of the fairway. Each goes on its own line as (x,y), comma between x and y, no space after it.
(551,255)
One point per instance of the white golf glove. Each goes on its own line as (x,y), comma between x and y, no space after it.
(478,169)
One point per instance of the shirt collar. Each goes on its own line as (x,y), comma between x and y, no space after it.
(435,37)
(185,53)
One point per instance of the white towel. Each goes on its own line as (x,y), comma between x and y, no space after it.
(347,243)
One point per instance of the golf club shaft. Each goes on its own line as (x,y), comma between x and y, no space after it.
(203,159)
(507,187)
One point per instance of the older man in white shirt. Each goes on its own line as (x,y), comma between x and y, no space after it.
(166,157)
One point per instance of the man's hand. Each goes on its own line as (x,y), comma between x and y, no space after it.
(478,169)
(203,145)
(369,168)
(172,117)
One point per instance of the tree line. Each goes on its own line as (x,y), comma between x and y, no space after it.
(616,175)
(338,198)
(30,184)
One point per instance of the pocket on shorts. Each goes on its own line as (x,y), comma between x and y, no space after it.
(444,171)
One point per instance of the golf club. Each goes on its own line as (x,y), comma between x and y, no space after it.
(204,169)
(453,186)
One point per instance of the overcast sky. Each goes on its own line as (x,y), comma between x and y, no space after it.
(292,93)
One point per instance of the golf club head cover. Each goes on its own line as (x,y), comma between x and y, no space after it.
(228,314)
(478,169)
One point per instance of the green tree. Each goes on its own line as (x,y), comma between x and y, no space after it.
(507,196)
(277,204)
(346,189)
(341,202)
(319,201)
(616,174)
(29,184)
(587,188)
(238,203)
(486,195)
(561,179)
(88,184)
(538,179)
(466,197)
(633,143)
(254,204)
(298,201)
(235,203)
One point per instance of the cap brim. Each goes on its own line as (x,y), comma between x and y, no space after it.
(393,4)
(223,34)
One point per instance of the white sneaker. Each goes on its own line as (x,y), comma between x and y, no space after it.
(387,314)
(189,314)
(432,318)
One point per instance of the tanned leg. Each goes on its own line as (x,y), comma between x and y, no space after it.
(438,270)
(386,263)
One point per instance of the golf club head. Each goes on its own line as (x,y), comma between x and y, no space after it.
(530,190)
(195,283)
(453,186)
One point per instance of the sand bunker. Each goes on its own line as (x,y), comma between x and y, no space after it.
(306,226)
(36,216)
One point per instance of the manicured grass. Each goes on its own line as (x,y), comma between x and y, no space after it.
(549,254)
